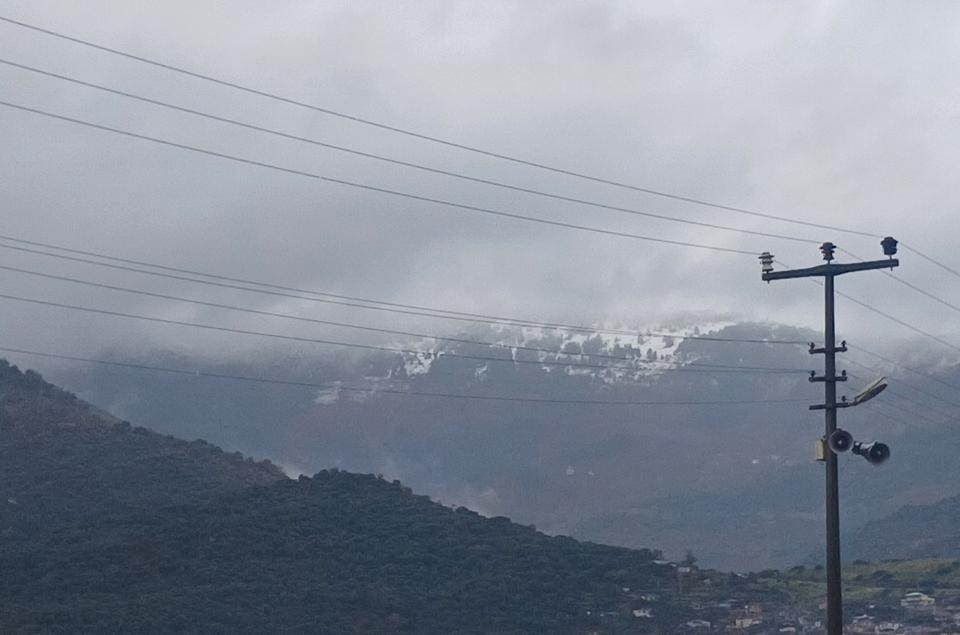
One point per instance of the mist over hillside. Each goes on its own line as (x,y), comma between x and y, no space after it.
(735,482)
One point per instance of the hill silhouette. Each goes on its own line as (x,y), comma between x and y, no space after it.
(912,532)
(107,527)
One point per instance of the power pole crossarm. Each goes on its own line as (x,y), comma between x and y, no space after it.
(823,271)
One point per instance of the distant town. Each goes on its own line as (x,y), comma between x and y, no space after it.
(791,602)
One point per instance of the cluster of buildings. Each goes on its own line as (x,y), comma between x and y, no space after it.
(732,616)
(692,606)
(917,614)
(914,613)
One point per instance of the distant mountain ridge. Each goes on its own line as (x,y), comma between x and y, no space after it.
(631,476)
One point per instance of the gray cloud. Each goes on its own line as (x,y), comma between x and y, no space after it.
(833,113)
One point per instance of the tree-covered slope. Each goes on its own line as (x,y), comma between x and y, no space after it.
(914,531)
(62,460)
(107,528)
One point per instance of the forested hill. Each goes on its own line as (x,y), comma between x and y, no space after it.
(60,458)
(108,528)
(914,531)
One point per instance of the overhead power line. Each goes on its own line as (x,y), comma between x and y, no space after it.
(911,386)
(460,146)
(923,292)
(928,294)
(912,413)
(930,259)
(417,166)
(521,161)
(328,342)
(923,404)
(903,323)
(457,205)
(877,409)
(908,284)
(392,391)
(452,204)
(373,188)
(390,306)
(900,413)
(495,345)
(427,137)
(441,202)
(943,408)
(909,369)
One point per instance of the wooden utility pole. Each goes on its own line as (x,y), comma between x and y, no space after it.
(830,406)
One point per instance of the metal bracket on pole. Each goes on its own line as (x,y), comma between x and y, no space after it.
(820,351)
(843,404)
(841,377)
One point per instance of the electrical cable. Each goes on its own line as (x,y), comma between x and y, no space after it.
(425,137)
(533,164)
(921,404)
(896,395)
(461,146)
(378,390)
(913,413)
(416,197)
(903,323)
(888,316)
(373,188)
(897,320)
(408,164)
(906,384)
(922,291)
(414,309)
(908,284)
(495,345)
(328,342)
(448,203)
(877,409)
(466,207)
(930,259)
(919,373)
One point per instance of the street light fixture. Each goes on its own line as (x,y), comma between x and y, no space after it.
(870,391)
(840,440)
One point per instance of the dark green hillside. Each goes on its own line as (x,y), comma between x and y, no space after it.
(914,531)
(107,528)
(336,553)
(62,460)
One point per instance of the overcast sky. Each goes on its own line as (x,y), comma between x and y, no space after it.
(829,112)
